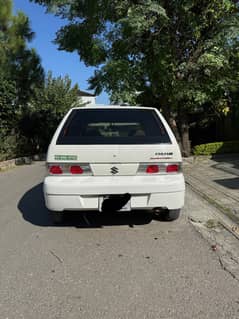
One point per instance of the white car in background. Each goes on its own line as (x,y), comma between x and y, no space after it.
(114,158)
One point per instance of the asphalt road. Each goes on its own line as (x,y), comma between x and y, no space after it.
(94,266)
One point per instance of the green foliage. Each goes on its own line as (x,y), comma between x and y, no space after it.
(216,148)
(7,102)
(8,147)
(18,63)
(5,12)
(56,95)
(180,55)
(46,110)
(31,105)
(20,74)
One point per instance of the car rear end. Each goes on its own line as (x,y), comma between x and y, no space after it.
(105,156)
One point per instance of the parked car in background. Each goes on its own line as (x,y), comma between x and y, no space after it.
(114,158)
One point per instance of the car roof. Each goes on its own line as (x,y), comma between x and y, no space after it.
(103,106)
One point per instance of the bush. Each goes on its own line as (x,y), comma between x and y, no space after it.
(13,146)
(37,128)
(8,147)
(216,148)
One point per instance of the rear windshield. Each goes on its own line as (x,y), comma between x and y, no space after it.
(119,126)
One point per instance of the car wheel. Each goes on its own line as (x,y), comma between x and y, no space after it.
(57,217)
(170,214)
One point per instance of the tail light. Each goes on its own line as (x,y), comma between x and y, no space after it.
(151,169)
(55,170)
(172,168)
(159,168)
(76,169)
(69,169)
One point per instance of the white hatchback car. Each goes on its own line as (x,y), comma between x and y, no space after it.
(114,158)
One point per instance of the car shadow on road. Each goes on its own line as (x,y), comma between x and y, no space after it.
(33,210)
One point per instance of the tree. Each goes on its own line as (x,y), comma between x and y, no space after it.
(57,95)
(46,109)
(18,63)
(20,73)
(176,54)
(7,102)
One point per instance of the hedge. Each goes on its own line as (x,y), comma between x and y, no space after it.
(216,148)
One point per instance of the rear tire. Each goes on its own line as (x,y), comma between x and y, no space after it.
(170,214)
(57,217)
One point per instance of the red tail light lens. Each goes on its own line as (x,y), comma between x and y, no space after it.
(66,169)
(159,168)
(151,169)
(172,168)
(76,169)
(56,169)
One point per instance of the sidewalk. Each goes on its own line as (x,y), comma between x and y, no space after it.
(216,179)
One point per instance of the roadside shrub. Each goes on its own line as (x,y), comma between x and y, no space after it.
(216,148)
(8,147)
(36,129)
(13,146)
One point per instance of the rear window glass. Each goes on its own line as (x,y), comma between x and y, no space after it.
(119,126)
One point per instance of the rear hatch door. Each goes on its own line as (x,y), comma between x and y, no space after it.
(114,141)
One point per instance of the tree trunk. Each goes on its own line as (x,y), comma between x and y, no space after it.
(184,134)
(180,128)
(172,123)
(175,130)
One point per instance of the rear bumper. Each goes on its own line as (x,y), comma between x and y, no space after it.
(83,193)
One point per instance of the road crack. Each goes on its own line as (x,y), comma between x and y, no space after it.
(225,268)
(57,257)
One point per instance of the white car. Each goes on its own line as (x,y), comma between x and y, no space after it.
(114,158)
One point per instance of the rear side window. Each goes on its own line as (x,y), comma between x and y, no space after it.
(113,126)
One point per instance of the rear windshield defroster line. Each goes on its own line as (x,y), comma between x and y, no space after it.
(113,126)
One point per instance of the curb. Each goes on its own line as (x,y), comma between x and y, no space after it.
(194,159)
(224,216)
(26,160)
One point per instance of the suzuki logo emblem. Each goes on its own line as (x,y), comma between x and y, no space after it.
(114,170)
